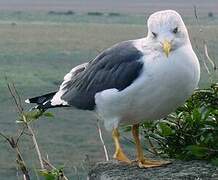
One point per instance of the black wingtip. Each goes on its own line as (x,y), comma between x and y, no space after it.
(40,99)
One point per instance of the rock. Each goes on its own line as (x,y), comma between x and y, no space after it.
(178,170)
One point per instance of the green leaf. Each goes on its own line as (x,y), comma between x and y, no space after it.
(215,112)
(147,125)
(165,129)
(48,175)
(126,128)
(191,132)
(48,114)
(215,161)
(196,114)
(197,151)
(207,113)
(30,116)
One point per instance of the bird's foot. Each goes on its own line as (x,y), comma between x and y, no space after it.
(120,156)
(146,163)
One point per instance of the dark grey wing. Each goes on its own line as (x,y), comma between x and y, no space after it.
(116,67)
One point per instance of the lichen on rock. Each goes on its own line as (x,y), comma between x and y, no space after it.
(178,170)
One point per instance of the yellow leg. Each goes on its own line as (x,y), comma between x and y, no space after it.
(119,154)
(142,161)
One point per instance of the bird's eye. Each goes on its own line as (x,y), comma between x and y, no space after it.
(175,30)
(154,34)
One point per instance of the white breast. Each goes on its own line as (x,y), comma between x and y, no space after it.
(165,83)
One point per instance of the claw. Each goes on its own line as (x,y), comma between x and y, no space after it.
(142,162)
(120,156)
(151,163)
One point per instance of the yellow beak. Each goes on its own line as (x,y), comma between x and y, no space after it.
(167,47)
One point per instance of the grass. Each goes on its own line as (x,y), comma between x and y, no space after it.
(39,49)
(35,50)
(90,17)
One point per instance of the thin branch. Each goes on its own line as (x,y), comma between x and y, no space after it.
(206,67)
(152,146)
(102,141)
(22,164)
(35,144)
(5,137)
(196,17)
(20,161)
(195,12)
(14,143)
(205,49)
(19,135)
(18,97)
(15,99)
(204,62)
(208,57)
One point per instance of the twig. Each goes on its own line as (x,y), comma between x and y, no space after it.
(18,97)
(205,49)
(22,164)
(204,62)
(19,135)
(5,137)
(102,141)
(13,94)
(208,57)
(152,146)
(20,161)
(26,125)
(196,17)
(195,12)
(35,145)
(206,67)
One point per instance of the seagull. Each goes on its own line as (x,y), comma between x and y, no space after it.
(133,81)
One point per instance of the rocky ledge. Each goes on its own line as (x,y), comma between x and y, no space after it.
(178,170)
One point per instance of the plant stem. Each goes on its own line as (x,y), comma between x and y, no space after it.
(36,145)
(102,141)
(20,161)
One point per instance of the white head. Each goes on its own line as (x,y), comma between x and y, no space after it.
(167,30)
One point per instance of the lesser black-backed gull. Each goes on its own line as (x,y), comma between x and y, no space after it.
(133,81)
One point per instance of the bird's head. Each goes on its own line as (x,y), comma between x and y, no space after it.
(167,30)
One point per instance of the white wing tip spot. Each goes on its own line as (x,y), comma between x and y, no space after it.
(27,101)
